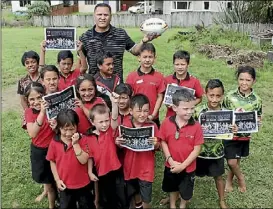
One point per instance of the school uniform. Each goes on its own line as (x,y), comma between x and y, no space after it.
(102,149)
(72,173)
(106,85)
(139,168)
(70,80)
(210,161)
(84,123)
(181,143)
(40,167)
(150,84)
(235,100)
(189,82)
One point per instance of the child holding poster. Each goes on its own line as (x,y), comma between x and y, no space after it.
(65,61)
(181,77)
(182,138)
(139,167)
(241,99)
(210,161)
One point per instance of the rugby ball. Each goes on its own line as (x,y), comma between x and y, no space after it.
(153,26)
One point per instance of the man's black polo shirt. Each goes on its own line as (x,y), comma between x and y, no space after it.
(116,40)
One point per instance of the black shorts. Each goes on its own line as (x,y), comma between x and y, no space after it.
(209,167)
(137,186)
(40,167)
(236,149)
(182,182)
(121,190)
(82,196)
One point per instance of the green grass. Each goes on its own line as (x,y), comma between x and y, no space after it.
(19,190)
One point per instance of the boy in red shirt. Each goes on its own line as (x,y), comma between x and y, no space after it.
(103,152)
(139,167)
(147,81)
(181,77)
(65,61)
(181,143)
(68,156)
(105,79)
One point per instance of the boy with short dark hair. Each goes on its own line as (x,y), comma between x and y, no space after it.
(210,161)
(65,60)
(30,60)
(146,80)
(105,79)
(181,143)
(139,167)
(181,77)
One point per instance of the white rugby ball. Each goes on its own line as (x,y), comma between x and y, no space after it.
(155,26)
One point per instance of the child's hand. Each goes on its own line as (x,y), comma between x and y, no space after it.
(234,128)
(79,46)
(52,124)
(44,106)
(43,45)
(150,117)
(78,103)
(169,106)
(93,177)
(114,97)
(173,162)
(177,168)
(153,140)
(119,141)
(75,138)
(61,186)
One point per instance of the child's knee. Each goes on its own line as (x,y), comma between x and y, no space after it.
(218,178)
(49,188)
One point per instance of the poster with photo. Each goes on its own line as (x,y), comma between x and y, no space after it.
(64,99)
(217,124)
(171,89)
(60,38)
(137,138)
(247,122)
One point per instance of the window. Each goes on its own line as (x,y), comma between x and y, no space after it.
(229,5)
(206,5)
(90,2)
(184,5)
(24,3)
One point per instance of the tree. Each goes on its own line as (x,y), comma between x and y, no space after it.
(38,8)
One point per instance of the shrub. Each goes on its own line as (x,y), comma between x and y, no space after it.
(38,8)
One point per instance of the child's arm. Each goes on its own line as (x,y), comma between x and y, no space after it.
(81,155)
(193,155)
(114,118)
(23,102)
(42,54)
(198,101)
(92,176)
(157,106)
(60,184)
(83,65)
(167,154)
(34,128)
(85,110)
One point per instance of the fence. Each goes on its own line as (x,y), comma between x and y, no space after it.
(249,28)
(179,19)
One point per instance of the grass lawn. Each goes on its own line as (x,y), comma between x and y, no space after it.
(18,188)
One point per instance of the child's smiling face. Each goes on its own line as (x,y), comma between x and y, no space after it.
(31,65)
(34,100)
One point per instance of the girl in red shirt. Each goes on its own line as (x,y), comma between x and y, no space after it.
(41,134)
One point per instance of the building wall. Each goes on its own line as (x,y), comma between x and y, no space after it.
(15,5)
(90,8)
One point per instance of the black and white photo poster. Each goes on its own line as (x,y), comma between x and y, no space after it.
(217,124)
(137,138)
(171,89)
(247,122)
(64,99)
(60,38)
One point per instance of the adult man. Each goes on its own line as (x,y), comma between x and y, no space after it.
(104,36)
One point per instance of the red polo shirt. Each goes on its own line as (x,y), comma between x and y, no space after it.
(70,80)
(84,123)
(45,133)
(189,82)
(139,165)
(189,136)
(70,170)
(150,84)
(103,150)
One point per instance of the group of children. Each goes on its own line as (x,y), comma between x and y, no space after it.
(79,156)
